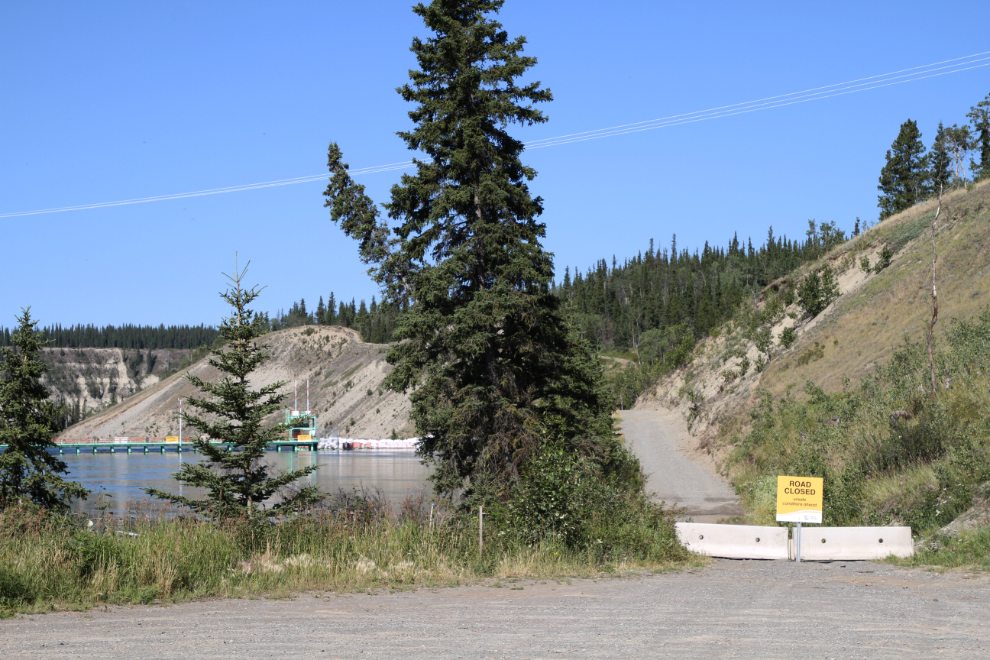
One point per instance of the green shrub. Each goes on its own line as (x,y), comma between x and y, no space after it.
(886,255)
(787,337)
(818,290)
(764,341)
(571,501)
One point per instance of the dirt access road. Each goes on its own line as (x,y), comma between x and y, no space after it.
(664,447)
(740,609)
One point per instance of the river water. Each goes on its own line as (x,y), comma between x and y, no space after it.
(116,480)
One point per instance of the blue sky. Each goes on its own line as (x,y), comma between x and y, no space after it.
(111,101)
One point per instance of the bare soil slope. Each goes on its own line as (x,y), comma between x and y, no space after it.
(345,377)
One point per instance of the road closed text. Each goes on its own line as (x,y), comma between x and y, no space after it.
(798,487)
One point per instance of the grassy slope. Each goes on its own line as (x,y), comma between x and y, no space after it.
(857,332)
(870,323)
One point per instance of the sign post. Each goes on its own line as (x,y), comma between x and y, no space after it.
(799,500)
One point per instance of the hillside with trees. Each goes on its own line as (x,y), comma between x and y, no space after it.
(847,393)
(345,388)
(676,294)
(910,175)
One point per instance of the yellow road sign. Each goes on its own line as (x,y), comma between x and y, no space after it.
(799,499)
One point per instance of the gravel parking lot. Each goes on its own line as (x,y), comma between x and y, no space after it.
(744,609)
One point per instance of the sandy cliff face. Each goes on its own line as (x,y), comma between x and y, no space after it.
(345,378)
(97,377)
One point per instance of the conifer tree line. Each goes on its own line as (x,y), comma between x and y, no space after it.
(125,336)
(684,295)
(375,323)
(910,175)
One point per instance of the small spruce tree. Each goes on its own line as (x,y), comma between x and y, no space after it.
(903,177)
(28,472)
(321,312)
(236,478)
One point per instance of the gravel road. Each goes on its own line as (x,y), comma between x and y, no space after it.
(661,441)
(744,609)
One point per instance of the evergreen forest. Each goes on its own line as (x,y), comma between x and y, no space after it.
(685,295)
(125,336)
(375,323)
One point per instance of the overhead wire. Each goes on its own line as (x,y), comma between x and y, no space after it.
(928,68)
(696,117)
(933,70)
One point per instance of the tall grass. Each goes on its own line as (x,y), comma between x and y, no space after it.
(970,550)
(890,451)
(356,543)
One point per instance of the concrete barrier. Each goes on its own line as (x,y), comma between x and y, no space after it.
(853,543)
(734,541)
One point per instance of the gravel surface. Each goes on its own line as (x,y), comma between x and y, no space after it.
(745,609)
(661,441)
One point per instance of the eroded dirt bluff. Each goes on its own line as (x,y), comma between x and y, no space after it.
(345,377)
(93,377)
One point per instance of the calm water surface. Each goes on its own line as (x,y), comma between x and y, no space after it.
(116,480)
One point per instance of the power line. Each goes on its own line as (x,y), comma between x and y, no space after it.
(633,128)
(819,90)
(913,74)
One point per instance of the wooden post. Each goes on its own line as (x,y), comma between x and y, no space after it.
(481,531)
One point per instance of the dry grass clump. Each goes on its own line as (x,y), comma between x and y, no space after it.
(355,543)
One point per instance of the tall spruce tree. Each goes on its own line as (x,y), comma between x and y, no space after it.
(28,472)
(903,177)
(495,372)
(979,117)
(236,478)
